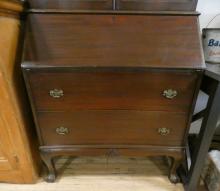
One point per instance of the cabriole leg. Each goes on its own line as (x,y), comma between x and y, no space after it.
(173,176)
(48,161)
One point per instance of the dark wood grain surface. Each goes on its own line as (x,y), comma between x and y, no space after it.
(112,69)
(71,4)
(159,5)
(112,90)
(113,40)
(113,127)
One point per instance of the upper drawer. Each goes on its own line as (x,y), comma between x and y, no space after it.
(71,4)
(159,5)
(128,90)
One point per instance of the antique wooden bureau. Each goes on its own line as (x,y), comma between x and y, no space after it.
(112,77)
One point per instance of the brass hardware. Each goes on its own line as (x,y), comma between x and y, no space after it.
(62,130)
(55,93)
(170,93)
(164,131)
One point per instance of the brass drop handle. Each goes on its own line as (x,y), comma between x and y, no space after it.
(164,131)
(62,130)
(56,93)
(170,93)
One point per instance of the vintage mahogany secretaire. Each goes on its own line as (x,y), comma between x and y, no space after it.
(112,77)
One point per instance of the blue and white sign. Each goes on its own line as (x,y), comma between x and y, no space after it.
(211,45)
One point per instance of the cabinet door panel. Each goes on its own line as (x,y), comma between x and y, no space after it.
(16,163)
(7,154)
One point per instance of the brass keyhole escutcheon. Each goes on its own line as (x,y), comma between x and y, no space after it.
(170,93)
(62,130)
(164,131)
(56,93)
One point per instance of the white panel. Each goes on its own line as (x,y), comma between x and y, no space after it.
(208,9)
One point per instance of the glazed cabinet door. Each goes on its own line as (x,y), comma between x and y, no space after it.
(159,5)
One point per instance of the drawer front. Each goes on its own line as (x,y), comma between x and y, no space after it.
(159,5)
(112,127)
(72,4)
(70,91)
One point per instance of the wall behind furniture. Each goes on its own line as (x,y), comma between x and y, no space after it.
(208,9)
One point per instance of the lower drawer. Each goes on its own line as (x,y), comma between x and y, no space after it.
(112,127)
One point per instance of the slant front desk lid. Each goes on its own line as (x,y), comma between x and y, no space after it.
(89,40)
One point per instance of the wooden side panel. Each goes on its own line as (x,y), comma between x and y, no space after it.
(113,41)
(7,156)
(16,163)
(11,7)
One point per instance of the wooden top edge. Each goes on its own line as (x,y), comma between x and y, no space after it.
(11,6)
(46,148)
(42,11)
(29,66)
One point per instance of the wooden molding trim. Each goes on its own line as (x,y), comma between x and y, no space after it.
(11,7)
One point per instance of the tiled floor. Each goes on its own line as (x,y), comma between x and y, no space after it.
(105,174)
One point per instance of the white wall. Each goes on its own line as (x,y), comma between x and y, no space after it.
(208,9)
